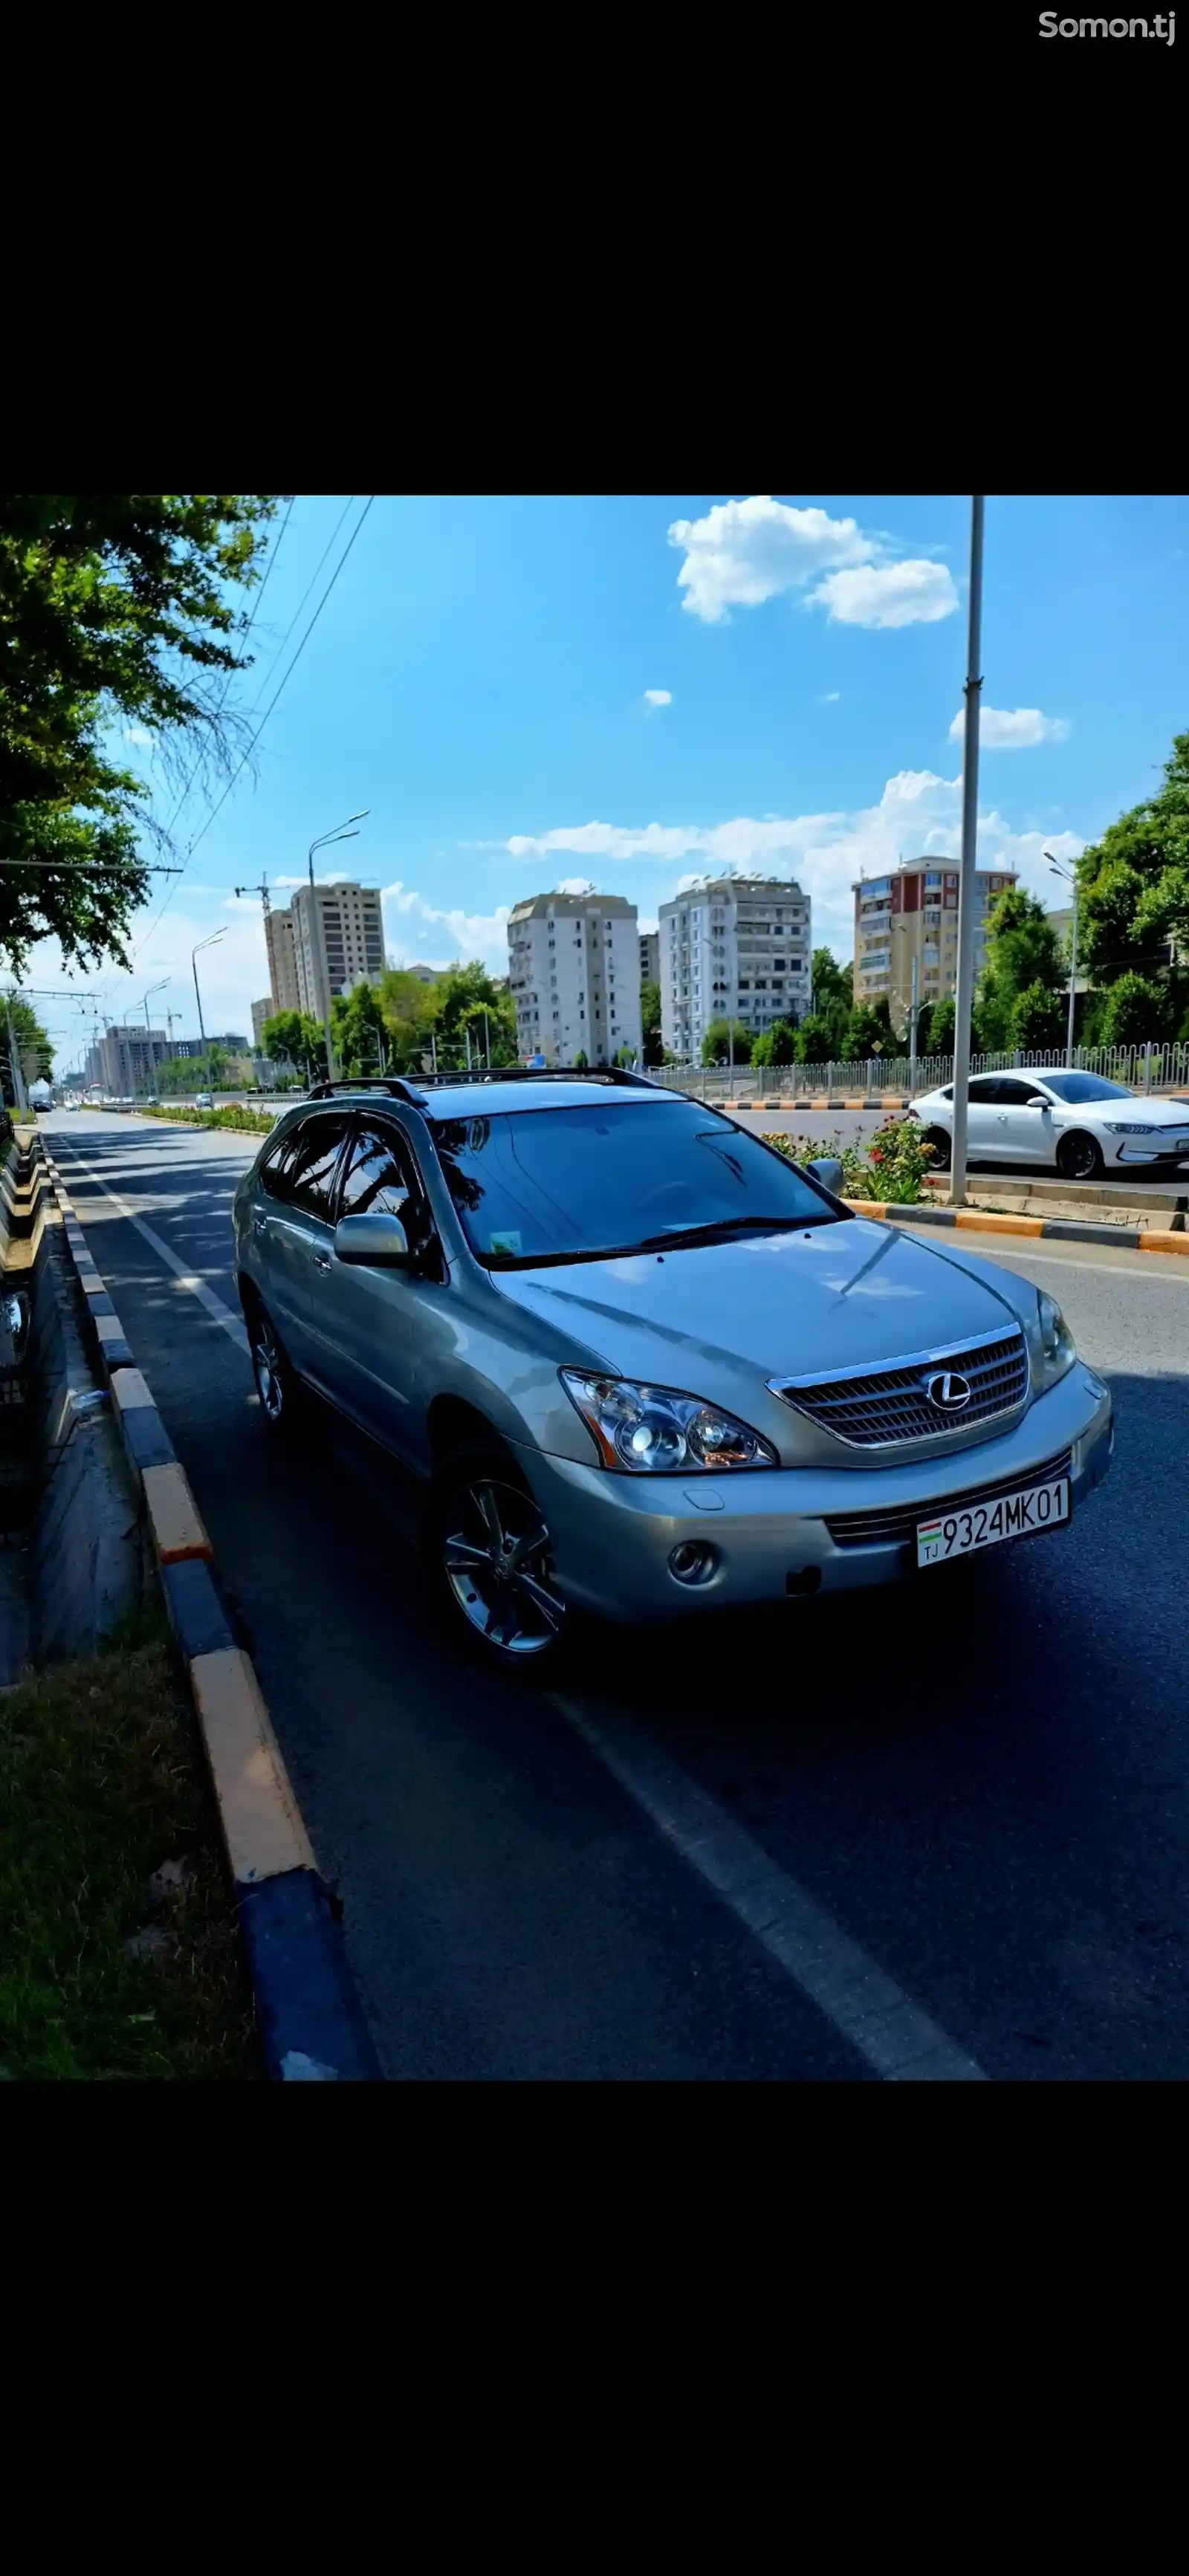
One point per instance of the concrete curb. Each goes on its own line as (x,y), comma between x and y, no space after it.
(310,2019)
(1059,1229)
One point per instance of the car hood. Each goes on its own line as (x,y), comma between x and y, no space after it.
(1146,1113)
(840,1296)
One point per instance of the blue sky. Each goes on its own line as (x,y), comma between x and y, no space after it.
(480,678)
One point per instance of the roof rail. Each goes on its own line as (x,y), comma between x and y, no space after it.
(392,1083)
(615,1073)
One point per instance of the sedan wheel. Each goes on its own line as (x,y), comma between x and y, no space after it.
(1079,1158)
(942,1148)
(494,1552)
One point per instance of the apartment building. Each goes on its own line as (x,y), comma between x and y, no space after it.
(914,913)
(262,1011)
(650,956)
(282,962)
(733,947)
(574,975)
(338,942)
(125,1059)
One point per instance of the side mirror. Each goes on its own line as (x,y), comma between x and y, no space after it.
(829,1172)
(372,1242)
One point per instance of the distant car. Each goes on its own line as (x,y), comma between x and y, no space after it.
(74,1104)
(1077,1122)
(202,1100)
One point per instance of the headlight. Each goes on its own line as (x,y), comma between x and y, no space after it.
(1057,1349)
(1127,1127)
(654,1431)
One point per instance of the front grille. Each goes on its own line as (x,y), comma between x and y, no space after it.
(873,1410)
(899,1520)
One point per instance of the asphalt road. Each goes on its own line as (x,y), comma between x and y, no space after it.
(964,1806)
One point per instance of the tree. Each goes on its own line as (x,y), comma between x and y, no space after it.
(580,1062)
(869,1031)
(1023,956)
(1134,883)
(468,1001)
(819,1038)
(777,1045)
(941,1033)
(116,611)
(34,1048)
(358,1032)
(726,1040)
(1037,1017)
(1133,1011)
(295,1037)
(650,1023)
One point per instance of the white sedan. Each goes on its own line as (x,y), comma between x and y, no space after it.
(1076,1121)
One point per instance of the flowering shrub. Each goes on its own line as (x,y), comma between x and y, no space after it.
(891,1168)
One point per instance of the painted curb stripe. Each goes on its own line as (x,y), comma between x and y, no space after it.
(173,1516)
(262,1822)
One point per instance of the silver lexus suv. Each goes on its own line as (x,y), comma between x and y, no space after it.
(644,1365)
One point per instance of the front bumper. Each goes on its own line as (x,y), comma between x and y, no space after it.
(613,1535)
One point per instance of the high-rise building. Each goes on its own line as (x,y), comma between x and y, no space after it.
(262,1011)
(650,956)
(913,912)
(733,947)
(338,942)
(124,1060)
(574,974)
(282,964)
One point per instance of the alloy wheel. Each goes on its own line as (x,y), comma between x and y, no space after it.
(268,1368)
(499,1566)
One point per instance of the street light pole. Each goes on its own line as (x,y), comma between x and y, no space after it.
(162,987)
(341,832)
(968,888)
(215,936)
(1072,883)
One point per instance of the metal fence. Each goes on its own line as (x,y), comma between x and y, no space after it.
(1143,1068)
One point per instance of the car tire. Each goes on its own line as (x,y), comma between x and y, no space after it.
(1079,1157)
(479,1514)
(943,1147)
(278,1386)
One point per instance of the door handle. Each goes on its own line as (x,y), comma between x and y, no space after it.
(321,1260)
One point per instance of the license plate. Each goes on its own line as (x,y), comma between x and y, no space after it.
(1036,1507)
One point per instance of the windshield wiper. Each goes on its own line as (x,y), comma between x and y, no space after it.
(714,1231)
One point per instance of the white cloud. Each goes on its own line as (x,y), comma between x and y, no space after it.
(829,697)
(914,593)
(136,733)
(744,552)
(1017,729)
(918,816)
(658,697)
(574,885)
(439,937)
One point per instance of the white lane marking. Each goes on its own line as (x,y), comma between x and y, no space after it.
(232,1324)
(1167,1276)
(871,2011)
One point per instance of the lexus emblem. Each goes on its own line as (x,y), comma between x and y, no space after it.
(949,1393)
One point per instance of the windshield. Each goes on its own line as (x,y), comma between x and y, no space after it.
(1082,1086)
(572,1184)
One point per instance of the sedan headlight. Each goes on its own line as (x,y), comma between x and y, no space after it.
(655,1431)
(1057,1348)
(1127,1127)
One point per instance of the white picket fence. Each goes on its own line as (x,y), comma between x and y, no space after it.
(1143,1068)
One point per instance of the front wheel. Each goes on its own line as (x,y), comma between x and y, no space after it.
(493,1562)
(1079,1158)
(943,1147)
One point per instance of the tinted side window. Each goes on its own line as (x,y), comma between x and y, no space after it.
(1016,1095)
(379,1177)
(273,1172)
(309,1177)
(985,1087)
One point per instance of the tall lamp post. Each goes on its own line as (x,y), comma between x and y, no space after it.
(1071,881)
(162,987)
(195,953)
(968,890)
(341,832)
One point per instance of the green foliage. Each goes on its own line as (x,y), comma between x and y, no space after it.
(358,1033)
(626,1057)
(295,1037)
(1133,1011)
(777,1045)
(650,1022)
(1135,883)
(1038,1019)
(892,1168)
(820,1036)
(725,1042)
(33,1046)
(580,1061)
(1024,957)
(941,1032)
(116,611)
(869,1032)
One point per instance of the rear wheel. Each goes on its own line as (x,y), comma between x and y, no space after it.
(1079,1157)
(493,1562)
(942,1148)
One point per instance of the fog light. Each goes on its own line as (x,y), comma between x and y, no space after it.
(692,1562)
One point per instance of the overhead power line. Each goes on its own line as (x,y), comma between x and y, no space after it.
(246,755)
(227,676)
